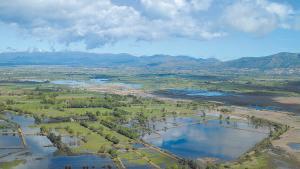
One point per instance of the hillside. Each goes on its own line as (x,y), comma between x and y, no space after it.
(280,60)
(103,60)
(166,62)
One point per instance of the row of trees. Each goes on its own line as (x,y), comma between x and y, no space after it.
(120,129)
(100,131)
(56,140)
(93,103)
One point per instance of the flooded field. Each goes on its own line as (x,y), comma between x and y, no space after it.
(188,137)
(194,92)
(98,81)
(185,137)
(259,101)
(77,162)
(39,151)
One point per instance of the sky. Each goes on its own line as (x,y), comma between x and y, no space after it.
(223,29)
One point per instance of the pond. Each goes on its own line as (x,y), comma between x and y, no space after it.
(100,81)
(213,138)
(195,92)
(72,83)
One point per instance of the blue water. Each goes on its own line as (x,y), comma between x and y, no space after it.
(172,122)
(101,81)
(270,108)
(25,123)
(9,141)
(295,146)
(37,145)
(128,85)
(77,162)
(40,146)
(208,140)
(206,93)
(194,92)
(40,152)
(68,82)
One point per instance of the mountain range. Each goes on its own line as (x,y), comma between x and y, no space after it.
(280,60)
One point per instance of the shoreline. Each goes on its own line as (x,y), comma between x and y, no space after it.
(285,118)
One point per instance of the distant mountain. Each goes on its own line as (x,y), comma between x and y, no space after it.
(155,62)
(104,60)
(280,60)
(176,62)
(66,58)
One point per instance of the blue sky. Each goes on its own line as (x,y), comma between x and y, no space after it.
(224,29)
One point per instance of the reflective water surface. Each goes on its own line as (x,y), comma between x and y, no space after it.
(213,138)
(195,92)
(40,153)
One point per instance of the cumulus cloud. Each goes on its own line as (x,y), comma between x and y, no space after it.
(175,8)
(91,21)
(98,22)
(257,16)
(201,4)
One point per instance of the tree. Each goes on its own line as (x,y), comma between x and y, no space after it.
(43,129)
(113,152)
(102,149)
(37,119)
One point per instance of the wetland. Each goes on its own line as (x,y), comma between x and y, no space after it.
(126,121)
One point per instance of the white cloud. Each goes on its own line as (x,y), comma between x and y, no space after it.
(98,22)
(175,8)
(280,10)
(165,8)
(94,22)
(257,16)
(177,18)
(201,4)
